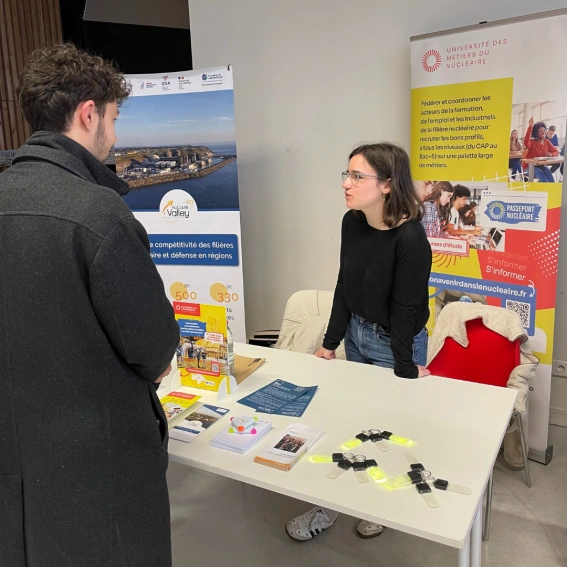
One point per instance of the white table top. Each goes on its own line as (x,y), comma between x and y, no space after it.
(457,428)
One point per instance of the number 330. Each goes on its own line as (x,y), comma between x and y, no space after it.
(227,297)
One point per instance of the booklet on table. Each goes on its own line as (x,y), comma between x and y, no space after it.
(288,448)
(197,422)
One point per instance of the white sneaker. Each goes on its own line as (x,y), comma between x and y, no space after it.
(368,530)
(310,524)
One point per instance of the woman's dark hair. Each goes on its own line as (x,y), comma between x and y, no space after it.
(472,217)
(57,79)
(443,210)
(392,163)
(536,127)
(466,220)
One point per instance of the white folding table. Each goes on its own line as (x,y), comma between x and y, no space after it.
(457,428)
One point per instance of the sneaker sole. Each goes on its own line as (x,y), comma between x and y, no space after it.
(306,540)
(294,539)
(369,536)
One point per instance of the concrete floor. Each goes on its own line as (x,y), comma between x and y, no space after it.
(220,522)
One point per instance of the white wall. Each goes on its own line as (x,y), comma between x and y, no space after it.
(312,79)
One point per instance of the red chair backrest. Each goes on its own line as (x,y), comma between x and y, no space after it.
(488,359)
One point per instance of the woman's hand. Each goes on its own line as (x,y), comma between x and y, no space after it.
(422,371)
(549,154)
(531,122)
(325,353)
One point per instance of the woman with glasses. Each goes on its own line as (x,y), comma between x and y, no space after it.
(380,306)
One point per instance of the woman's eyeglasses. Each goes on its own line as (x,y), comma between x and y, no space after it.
(356,176)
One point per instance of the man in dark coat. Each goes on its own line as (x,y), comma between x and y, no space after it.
(85,331)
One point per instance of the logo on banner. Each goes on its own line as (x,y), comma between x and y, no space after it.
(431,60)
(183,81)
(211,80)
(513,213)
(165,84)
(177,205)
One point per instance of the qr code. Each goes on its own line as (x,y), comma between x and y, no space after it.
(522,309)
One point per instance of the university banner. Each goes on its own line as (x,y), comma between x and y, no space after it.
(487,146)
(177,150)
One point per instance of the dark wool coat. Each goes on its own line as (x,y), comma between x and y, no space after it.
(85,329)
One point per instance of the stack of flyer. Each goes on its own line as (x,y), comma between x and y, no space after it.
(176,405)
(240,442)
(288,448)
(197,422)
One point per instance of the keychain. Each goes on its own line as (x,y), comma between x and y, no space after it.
(396,438)
(378,437)
(424,489)
(334,458)
(439,483)
(356,441)
(378,440)
(423,480)
(419,477)
(375,471)
(359,466)
(444,485)
(342,466)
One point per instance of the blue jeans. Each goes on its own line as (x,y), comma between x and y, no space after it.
(543,174)
(368,343)
(515,165)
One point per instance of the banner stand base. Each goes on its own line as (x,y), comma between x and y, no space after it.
(540,456)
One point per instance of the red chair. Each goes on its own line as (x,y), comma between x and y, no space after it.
(469,364)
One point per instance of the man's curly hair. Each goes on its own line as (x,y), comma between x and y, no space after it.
(57,79)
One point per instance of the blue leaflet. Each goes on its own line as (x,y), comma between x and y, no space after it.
(281,398)
(298,407)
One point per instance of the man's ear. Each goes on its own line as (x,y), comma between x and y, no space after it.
(87,111)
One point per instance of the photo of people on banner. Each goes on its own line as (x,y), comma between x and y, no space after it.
(507,230)
(537,142)
(511,223)
(452,211)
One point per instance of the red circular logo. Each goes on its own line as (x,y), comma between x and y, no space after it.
(431,60)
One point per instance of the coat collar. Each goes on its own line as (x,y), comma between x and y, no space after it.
(62,151)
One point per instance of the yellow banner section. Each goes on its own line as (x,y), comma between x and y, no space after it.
(462,131)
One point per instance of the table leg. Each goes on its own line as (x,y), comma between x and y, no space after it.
(530,172)
(476,538)
(488,508)
(465,553)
